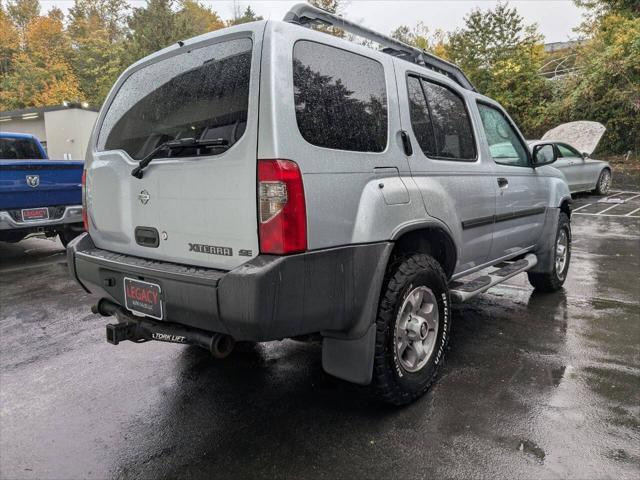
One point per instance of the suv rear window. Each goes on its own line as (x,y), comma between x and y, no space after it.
(340,98)
(201,94)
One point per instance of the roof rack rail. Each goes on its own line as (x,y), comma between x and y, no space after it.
(307,15)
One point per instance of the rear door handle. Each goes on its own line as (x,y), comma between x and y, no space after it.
(503,183)
(406,143)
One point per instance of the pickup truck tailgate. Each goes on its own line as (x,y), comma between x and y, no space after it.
(38,183)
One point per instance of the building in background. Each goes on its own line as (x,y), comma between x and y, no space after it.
(63,130)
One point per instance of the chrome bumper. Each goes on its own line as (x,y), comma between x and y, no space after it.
(72,214)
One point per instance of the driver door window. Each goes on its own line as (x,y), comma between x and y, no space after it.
(505,146)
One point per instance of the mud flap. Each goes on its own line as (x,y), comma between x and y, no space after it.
(350,360)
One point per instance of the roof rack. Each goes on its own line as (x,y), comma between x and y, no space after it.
(307,15)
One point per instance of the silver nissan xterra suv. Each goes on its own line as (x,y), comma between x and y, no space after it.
(269,181)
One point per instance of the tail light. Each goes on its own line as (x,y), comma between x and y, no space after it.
(85,219)
(282,211)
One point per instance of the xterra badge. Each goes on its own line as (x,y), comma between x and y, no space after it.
(210,249)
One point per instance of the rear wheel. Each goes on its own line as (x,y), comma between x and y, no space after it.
(553,280)
(66,236)
(604,182)
(412,331)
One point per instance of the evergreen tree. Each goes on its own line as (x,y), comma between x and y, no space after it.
(158,25)
(501,55)
(97,30)
(248,16)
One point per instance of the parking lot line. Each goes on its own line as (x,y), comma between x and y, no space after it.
(631,198)
(583,206)
(609,215)
(624,199)
(608,208)
(632,212)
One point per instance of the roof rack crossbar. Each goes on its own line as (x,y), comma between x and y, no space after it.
(307,15)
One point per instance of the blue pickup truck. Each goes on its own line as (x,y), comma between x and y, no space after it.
(37,195)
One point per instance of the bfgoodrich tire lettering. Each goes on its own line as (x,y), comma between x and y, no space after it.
(394,379)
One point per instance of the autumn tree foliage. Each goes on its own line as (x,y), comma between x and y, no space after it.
(46,58)
(36,68)
(607,86)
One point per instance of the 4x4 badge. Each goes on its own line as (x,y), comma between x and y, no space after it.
(33,180)
(144,197)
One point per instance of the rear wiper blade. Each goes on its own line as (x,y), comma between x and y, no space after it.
(171,144)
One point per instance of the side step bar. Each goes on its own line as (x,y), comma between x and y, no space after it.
(463,291)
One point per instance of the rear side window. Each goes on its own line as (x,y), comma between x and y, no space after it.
(12,148)
(440,121)
(420,117)
(201,94)
(340,98)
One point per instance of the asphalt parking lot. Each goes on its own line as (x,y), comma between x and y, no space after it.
(534,386)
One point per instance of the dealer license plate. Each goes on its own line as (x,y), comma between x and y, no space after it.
(143,298)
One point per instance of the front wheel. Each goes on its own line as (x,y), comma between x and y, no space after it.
(553,280)
(412,331)
(604,182)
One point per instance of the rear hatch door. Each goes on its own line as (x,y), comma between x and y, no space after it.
(193,205)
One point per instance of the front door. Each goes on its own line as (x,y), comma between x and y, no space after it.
(572,165)
(522,191)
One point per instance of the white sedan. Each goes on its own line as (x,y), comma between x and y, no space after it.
(575,142)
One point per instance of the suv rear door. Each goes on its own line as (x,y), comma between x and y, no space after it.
(194,205)
(454,178)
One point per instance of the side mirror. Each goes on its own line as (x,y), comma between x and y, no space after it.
(544,154)
(585,155)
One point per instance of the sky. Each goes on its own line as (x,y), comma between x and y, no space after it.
(556,19)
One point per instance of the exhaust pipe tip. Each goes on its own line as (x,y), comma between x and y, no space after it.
(222,346)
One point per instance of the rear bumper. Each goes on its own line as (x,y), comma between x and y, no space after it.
(71,214)
(334,291)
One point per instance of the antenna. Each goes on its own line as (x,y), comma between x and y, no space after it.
(307,15)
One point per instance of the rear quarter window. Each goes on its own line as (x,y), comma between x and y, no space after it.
(340,98)
(201,94)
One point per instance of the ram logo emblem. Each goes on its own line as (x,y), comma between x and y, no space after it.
(33,180)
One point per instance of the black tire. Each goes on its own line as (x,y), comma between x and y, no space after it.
(67,236)
(553,280)
(604,182)
(392,382)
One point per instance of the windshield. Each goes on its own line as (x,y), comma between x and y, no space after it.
(12,148)
(201,94)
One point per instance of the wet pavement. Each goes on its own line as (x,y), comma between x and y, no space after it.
(534,386)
